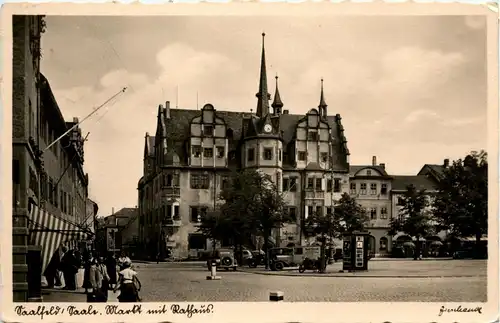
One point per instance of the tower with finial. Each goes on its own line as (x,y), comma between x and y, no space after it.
(277,103)
(322,107)
(263,95)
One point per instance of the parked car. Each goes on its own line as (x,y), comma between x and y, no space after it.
(224,258)
(292,257)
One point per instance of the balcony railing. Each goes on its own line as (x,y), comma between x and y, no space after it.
(173,222)
(169,192)
(315,195)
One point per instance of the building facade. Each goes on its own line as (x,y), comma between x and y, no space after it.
(49,185)
(188,161)
(26,161)
(371,186)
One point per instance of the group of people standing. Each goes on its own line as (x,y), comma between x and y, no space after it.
(67,263)
(100,276)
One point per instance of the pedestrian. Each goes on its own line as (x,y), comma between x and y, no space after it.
(69,269)
(88,259)
(127,280)
(123,259)
(99,280)
(111,268)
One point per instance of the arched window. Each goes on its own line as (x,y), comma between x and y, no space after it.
(383,243)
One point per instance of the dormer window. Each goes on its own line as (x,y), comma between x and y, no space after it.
(208,130)
(312,135)
(368,173)
(196,151)
(268,153)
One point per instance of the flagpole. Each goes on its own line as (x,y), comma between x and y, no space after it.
(88,116)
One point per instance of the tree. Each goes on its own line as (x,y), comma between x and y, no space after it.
(414,217)
(252,205)
(461,204)
(215,225)
(347,216)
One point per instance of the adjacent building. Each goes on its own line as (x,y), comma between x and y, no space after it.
(50,187)
(371,186)
(119,232)
(188,160)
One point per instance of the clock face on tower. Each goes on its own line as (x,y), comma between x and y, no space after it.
(268,128)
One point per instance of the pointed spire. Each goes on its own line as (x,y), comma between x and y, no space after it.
(277,104)
(322,104)
(263,96)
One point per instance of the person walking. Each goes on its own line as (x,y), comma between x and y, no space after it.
(111,268)
(127,280)
(123,259)
(99,280)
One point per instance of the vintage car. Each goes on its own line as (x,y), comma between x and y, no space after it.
(292,256)
(224,258)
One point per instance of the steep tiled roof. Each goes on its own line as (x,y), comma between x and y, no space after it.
(353,169)
(122,217)
(435,170)
(178,131)
(400,183)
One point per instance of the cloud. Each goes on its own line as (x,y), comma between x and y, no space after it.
(418,115)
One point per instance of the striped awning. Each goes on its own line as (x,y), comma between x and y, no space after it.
(51,232)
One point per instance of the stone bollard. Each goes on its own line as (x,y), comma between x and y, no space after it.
(213,272)
(276,296)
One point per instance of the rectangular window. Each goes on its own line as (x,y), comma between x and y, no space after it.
(196,150)
(268,153)
(278,181)
(336,185)
(353,188)
(373,214)
(310,183)
(176,212)
(194,214)
(329,210)
(324,157)
(319,210)
(251,154)
(383,189)
(208,130)
(401,201)
(220,152)
(293,184)
(368,173)
(279,154)
(302,155)
(329,185)
(312,136)
(373,189)
(56,195)
(292,213)
(319,185)
(285,157)
(224,182)
(200,181)
(208,152)
(177,180)
(363,189)
(383,213)
(286,183)
(310,210)
(169,212)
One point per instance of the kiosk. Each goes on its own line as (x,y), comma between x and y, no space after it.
(355,249)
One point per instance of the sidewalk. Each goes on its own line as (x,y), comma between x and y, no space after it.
(386,269)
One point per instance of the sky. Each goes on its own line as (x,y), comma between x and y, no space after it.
(410,90)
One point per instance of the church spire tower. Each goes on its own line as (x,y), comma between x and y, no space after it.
(322,104)
(277,103)
(263,96)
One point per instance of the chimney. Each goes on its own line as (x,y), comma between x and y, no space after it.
(446,163)
(167,110)
(382,165)
(75,120)
(112,210)
(374,161)
(286,111)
